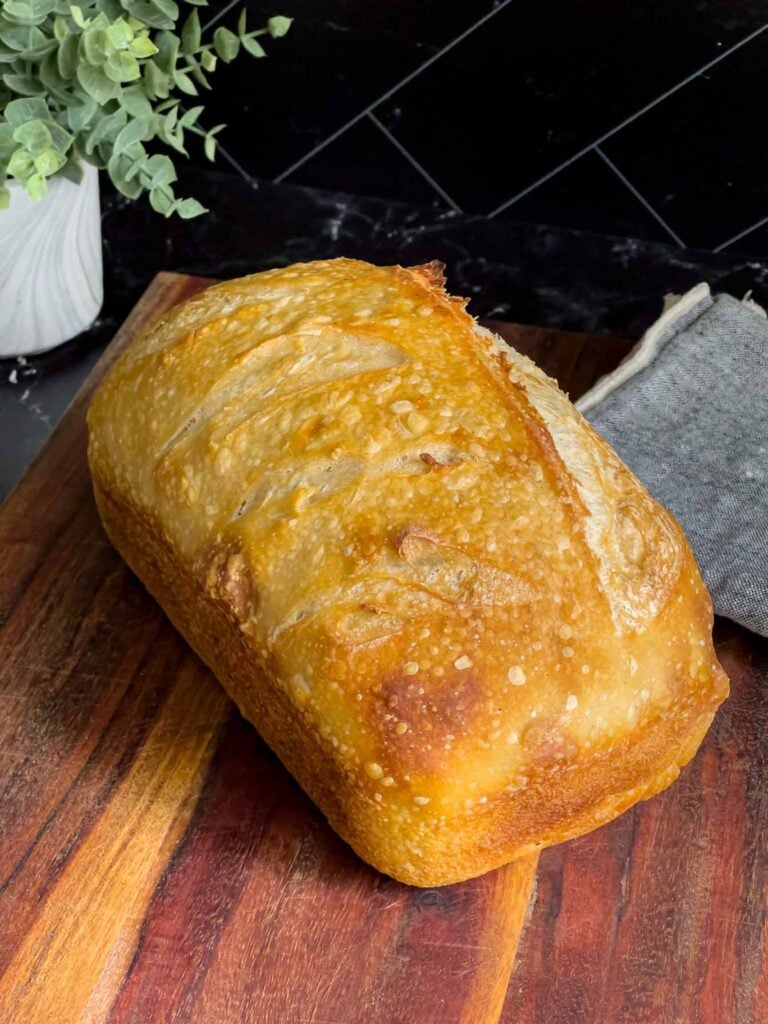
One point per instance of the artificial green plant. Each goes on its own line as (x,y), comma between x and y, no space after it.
(103,81)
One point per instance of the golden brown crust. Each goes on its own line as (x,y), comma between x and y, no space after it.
(455,615)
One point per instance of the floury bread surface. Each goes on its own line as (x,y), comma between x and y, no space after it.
(442,599)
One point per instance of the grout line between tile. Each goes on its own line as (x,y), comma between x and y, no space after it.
(236,164)
(741,234)
(542,180)
(623,124)
(390,92)
(414,163)
(217,17)
(639,196)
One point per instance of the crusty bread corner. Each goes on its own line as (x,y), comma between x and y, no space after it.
(459,620)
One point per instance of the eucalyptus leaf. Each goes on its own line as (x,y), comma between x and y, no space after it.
(37,187)
(37,53)
(52,82)
(106,129)
(173,138)
(158,83)
(161,200)
(81,114)
(169,8)
(72,170)
(118,166)
(137,166)
(198,74)
(49,162)
(190,116)
(21,164)
(168,45)
(28,12)
(122,66)
(253,46)
(33,136)
(19,13)
(226,43)
(142,46)
(135,131)
(7,144)
(210,143)
(112,9)
(78,151)
(97,84)
(102,154)
(66,58)
(94,46)
(135,102)
(161,170)
(119,36)
(185,83)
(60,138)
(151,13)
(24,85)
(18,112)
(23,38)
(191,34)
(278,25)
(188,208)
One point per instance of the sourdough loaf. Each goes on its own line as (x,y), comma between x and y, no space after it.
(441,598)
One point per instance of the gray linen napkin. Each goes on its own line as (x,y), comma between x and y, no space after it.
(688,413)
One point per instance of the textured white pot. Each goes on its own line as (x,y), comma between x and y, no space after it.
(50,265)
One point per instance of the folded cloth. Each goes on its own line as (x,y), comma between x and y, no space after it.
(688,412)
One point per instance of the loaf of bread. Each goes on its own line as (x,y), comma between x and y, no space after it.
(441,598)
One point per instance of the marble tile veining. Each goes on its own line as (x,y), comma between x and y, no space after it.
(509,270)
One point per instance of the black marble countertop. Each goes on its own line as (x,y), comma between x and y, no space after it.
(520,272)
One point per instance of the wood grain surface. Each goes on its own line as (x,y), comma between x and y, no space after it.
(661,917)
(157,864)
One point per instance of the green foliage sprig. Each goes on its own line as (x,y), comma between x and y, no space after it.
(99,80)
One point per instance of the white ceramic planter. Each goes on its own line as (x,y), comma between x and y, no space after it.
(50,265)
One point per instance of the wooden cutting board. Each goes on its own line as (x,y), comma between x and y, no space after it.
(157,864)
